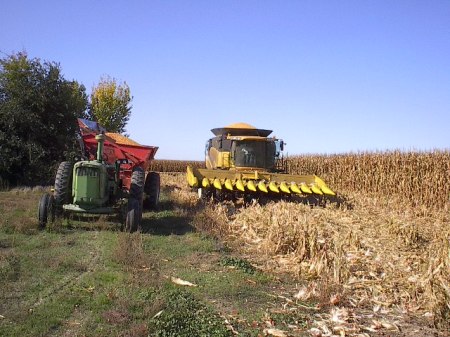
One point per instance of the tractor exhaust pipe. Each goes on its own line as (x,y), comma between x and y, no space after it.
(100,140)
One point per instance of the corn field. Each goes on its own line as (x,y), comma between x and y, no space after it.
(420,178)
(161,165)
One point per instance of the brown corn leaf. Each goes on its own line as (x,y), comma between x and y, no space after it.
(181,282)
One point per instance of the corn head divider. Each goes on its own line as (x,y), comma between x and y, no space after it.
(244,160)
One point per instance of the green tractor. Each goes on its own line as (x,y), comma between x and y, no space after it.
(112,180)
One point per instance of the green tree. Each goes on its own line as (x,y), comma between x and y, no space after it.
(38,111)
(110,104)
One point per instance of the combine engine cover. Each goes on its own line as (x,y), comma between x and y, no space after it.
(243,159)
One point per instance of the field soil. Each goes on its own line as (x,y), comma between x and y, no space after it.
(356,267)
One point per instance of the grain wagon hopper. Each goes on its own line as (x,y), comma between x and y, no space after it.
(112,178)
(242,160)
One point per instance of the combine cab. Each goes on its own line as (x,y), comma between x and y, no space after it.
(112,178)
(242,160)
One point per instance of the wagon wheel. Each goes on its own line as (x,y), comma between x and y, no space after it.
(152,190)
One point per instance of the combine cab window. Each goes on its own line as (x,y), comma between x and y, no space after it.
(207,147)
(260,154)
(278,148)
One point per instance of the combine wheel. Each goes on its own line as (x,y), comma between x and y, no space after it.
(219,195)
(204,194)
(250,199)
(152,189)
(134,215)
(46,210)
(63,185)
(201,193)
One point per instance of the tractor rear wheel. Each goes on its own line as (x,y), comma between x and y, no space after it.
(46,210)
(63,184)
(134,215)
(137,183)
(152,190)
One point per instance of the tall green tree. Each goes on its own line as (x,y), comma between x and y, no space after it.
(38,111)
(111,104)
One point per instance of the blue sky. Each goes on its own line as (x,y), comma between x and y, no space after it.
(326,76)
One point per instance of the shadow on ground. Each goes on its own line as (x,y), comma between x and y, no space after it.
(166,221)
(263,199)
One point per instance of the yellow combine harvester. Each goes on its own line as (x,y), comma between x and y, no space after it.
(242,160)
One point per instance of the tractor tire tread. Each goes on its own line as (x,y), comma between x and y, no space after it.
(137,183)
(152,190)
(134,216)
(63,183)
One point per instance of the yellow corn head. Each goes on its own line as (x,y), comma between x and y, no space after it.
(241,159)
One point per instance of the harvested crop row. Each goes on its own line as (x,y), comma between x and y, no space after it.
(375,256)
(370,252)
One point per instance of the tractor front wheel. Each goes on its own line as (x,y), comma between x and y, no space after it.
(46,210)
(134,215)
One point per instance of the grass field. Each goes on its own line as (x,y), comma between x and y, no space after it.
(79,278)
(370,266)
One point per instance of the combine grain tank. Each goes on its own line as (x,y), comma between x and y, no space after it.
(242,160)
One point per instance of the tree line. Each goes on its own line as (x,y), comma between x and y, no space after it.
(38,117)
